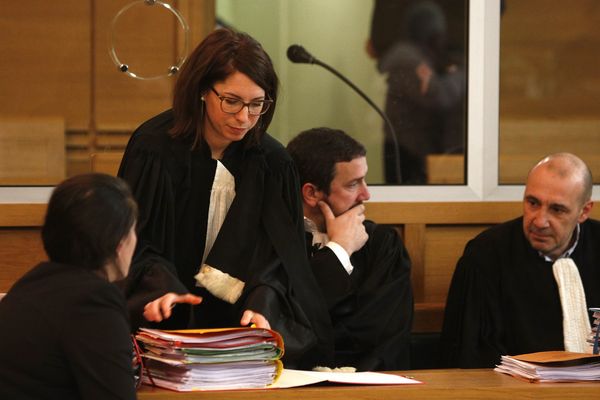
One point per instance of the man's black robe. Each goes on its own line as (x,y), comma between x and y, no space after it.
(503,299)
(372,308)
(261,241)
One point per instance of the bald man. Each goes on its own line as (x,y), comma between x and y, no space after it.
(504,298)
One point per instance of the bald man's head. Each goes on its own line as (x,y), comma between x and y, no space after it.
(568,166)
(557,198)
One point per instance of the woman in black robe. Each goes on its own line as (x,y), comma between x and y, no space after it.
(220,212)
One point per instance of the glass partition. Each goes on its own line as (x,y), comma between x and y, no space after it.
(57,73)
(407,56)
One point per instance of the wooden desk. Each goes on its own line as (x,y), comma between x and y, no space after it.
(437,384)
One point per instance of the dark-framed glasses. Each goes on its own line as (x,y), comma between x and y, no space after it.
(231,105)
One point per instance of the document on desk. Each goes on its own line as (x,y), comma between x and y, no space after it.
(293,378)
(552,366)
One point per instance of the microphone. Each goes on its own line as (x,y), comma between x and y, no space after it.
(298,54)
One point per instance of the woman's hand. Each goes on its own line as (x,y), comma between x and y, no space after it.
(160,309)
(251,317)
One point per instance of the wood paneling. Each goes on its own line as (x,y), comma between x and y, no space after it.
(442,212)
(414,240)
(21,215)
(144,40)
(32,151)
(45,62)
(20,250)
(55,62)
(106,162)
(434,233)
(549,68)
(444,246)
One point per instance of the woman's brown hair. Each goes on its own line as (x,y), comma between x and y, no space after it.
(219,55)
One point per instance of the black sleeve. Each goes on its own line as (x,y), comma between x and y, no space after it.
(389,295)
(295,302)
(377,318)
(152,274)
(331,276)
(472,330)
(98,346)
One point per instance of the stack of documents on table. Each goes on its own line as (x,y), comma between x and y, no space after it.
(552,366)
(594,337)
(211,359)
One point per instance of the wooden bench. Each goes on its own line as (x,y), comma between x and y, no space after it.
(434,233)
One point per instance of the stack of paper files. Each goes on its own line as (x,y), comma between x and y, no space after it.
(594,336)
(211,359)
(552,366)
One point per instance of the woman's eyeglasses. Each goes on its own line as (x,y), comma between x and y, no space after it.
(231,105)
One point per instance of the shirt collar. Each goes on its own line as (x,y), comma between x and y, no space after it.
(569,251)
(318,238)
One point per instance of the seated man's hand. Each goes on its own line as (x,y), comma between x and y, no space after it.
(346,229)
(160,309)
(251,317)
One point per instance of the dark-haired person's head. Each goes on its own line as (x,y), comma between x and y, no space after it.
(199,90)
(332,167)
(90,223)
(317,151)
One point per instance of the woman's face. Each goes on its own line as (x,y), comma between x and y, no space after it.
(220,128)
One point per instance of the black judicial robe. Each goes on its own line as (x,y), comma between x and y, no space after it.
(64,334)
(261,241)
(503,298)
(372,308)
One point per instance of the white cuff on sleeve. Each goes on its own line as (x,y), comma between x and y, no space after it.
(342,255)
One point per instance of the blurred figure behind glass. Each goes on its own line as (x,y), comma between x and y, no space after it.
(425,100)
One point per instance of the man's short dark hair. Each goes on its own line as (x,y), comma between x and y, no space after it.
(316,151)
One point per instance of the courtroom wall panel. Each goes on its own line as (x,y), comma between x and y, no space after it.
(20,250)
(55,63)
(45,60)
(435,235)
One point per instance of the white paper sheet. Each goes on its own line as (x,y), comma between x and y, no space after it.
(293,378)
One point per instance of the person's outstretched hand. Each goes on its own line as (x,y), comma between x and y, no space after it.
(160,309)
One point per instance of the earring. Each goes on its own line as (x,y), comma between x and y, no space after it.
(202,98)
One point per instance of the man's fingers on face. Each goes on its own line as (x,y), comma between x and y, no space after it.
(358,210)
(326,210)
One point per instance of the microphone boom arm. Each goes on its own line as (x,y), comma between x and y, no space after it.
(368,100)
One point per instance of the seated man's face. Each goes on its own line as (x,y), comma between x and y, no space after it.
(551,210)
(348,188)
